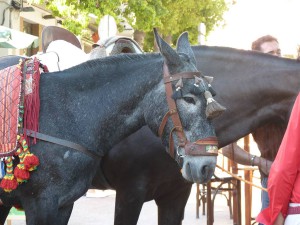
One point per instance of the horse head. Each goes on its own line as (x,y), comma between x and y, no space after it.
(190,111)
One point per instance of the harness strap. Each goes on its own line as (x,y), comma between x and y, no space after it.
(172,105)
(55,140)
(241,179)
(164,121)
(183,75)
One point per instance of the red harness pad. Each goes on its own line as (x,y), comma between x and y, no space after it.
(14,112)
(19,108)
(10,92)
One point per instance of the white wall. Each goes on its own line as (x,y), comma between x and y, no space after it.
(247,20)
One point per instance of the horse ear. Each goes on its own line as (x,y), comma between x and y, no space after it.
(183,46)
(170,55)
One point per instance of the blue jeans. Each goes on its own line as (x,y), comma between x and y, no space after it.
(265,201)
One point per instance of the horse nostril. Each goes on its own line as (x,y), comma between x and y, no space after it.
(204,170)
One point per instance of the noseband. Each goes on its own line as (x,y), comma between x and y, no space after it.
(202,147)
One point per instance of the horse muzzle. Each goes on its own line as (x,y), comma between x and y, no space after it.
(197,159)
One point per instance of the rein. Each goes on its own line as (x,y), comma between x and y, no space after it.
(241,179)
(201,147)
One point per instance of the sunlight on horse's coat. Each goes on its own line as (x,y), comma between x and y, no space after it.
(67,154)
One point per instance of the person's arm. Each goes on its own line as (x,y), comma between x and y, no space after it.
(240,156)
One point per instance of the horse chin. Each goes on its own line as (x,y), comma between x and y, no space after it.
(198,169)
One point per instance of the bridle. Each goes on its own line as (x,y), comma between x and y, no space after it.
(202,147)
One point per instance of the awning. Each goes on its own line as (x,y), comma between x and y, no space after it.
(10,38)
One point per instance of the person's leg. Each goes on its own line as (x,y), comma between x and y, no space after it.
(264,195)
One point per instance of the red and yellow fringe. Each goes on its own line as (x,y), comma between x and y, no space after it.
(28,162)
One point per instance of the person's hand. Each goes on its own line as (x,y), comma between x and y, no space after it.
(264,165)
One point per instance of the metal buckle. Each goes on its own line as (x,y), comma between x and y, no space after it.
(179,157)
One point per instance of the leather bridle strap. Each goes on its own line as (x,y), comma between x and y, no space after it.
(173,108)
(172,105)
(184,75)
(204,147)
(164,122)
(171,143)
(55,140)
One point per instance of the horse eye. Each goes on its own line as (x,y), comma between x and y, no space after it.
(189,100)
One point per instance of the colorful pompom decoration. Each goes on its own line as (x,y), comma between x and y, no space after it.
(31,162)
(9,182)
(28,161)
(21,173)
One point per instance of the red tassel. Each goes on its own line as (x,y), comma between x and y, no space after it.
(9,183)
(32,100)
(21,173)
(31,161)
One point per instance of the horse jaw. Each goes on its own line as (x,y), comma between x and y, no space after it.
(198,169)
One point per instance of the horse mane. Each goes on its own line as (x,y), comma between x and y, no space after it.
(112,66)
(110,62)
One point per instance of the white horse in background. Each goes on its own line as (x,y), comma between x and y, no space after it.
(61,54)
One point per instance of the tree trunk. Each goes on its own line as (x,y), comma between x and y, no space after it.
(139,37)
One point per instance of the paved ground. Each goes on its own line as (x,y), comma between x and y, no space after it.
(100,210)
(105,211)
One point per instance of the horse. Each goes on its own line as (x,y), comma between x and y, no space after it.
(256,88)
(86,103)
(265,88)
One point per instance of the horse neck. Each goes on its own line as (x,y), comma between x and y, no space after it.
(255,88)
(100,109)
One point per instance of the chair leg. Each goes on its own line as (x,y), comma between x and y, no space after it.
(230,201)
(200,197)
(197,200)
(203,198)
(203,203)
(209,217)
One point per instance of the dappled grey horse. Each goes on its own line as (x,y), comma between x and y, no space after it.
(98,103)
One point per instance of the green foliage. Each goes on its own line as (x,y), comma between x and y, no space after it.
(75,13)
(144,14)
(171,17)
(149,42)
